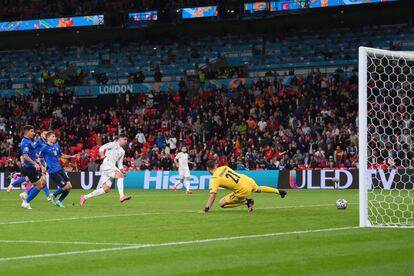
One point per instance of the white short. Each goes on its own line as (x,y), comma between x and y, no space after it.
(183,173)
(107,177)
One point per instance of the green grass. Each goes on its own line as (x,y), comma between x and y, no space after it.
(155,217)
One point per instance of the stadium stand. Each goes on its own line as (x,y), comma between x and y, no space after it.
(120,63)
(301,118)
(296,125)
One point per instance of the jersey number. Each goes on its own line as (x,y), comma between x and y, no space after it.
(233,176)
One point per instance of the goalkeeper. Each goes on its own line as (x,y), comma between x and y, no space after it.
(241,186)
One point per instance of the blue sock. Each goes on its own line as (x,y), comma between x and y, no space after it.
(64,194)
(19,181)
(46,190)
(58,191)
(31,194)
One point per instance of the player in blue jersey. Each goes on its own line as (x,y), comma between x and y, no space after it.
(51,154)
(30,168)
(39,143)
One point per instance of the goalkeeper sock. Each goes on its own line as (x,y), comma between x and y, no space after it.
(267,189)
(95,193)
(233,205)
(120,186)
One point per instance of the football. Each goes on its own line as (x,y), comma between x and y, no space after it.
(341,203)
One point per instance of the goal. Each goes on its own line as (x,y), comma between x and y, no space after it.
(386,138)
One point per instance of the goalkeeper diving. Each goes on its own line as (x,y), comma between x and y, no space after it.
(241,186)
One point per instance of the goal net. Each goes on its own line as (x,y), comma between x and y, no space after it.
(386,138)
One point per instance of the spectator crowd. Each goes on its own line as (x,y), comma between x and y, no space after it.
(311,122)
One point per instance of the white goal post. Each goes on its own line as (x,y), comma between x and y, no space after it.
(386,138)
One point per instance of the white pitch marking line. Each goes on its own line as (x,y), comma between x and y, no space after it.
(69,242)
(147,214)
(138,246)
(77,218)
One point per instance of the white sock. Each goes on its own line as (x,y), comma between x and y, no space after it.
(187,184)
(178,182)
(120,186)
(95,193)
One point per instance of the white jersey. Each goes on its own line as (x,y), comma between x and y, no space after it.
(114,156)
(182,160)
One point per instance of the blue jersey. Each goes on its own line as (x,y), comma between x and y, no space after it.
(51,154)
(27,147)
(39,144)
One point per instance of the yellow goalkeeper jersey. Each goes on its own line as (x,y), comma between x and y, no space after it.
(227,178)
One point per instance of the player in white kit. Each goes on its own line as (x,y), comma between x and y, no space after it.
(111,169)
(181,161)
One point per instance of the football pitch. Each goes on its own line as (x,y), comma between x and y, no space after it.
(161,233)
